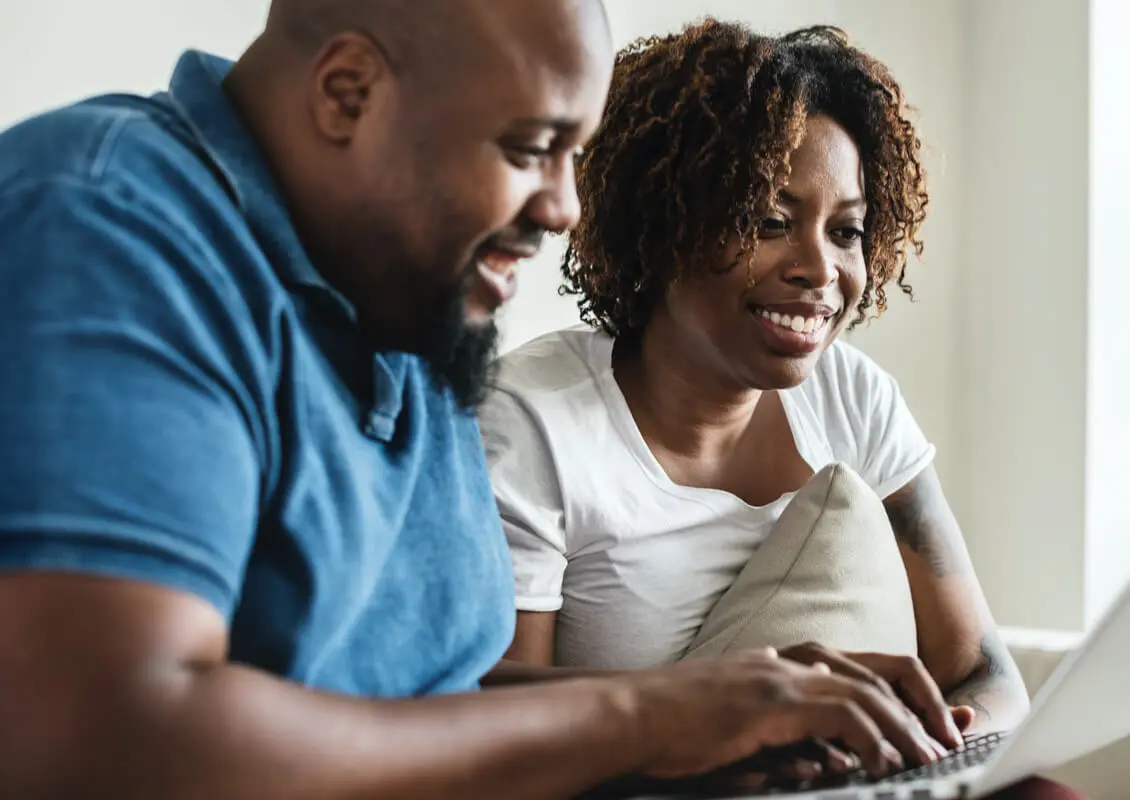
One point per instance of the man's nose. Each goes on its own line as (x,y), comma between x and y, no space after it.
(556,206)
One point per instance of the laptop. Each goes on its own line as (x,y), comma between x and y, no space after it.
(1083,707)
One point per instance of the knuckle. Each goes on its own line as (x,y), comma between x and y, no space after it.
(879,684)
(911,665)
(773,689)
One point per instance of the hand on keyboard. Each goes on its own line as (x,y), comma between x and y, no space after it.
(704,714)
(901,678)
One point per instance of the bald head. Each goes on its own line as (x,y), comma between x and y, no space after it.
(425,147)
(416,35)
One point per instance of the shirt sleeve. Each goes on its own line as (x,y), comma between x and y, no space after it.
(889,448)
(127,433)
(528,493)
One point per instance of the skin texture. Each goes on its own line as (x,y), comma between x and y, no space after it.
(398,178)
(701,376)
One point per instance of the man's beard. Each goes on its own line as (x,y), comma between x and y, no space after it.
(461,357)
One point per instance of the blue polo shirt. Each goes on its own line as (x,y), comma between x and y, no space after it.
(185,401)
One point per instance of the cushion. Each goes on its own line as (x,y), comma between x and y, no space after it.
(829,572)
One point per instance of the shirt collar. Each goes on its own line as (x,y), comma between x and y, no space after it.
(197,96)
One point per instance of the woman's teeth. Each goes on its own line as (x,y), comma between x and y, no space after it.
(794,323)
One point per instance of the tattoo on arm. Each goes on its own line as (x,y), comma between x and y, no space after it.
(991,677)
(923,523)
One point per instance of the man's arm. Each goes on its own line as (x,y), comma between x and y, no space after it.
(957,636)
(121,689)
(113,688)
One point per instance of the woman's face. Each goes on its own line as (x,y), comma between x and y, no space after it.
(808,273)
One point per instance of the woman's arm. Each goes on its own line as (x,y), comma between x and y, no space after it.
(533,638)
(958,640)
(530,657)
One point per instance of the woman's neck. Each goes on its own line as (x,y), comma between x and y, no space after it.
(679,394)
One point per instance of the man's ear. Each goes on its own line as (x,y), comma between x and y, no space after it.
(351,78)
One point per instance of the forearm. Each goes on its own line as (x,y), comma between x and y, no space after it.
(994,689)
(235,732)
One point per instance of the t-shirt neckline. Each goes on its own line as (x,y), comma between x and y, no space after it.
(599,357)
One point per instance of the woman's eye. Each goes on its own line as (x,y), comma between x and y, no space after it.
(850,234)
(772,225)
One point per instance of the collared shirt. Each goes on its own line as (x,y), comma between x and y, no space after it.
(185,401)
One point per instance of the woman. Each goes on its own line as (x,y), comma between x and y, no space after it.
(745,201)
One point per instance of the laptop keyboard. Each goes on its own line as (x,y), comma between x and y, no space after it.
(974,752)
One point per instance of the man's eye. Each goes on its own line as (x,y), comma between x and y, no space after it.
(527,157)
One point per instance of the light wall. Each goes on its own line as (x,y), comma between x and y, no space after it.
(997,353)
(1021,315)
(55,51)
(1107,565)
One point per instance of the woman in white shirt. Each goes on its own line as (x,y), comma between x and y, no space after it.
(745,200)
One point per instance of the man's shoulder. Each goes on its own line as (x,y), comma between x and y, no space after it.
(106,197)
(135,146)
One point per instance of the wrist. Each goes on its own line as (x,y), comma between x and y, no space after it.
(630,730)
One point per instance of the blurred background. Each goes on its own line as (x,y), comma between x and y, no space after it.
(1015,356)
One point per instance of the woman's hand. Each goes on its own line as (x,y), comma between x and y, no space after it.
(899,677)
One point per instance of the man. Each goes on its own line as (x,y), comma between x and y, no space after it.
(247,542)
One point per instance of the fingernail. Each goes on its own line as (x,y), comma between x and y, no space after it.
(891,754)
(810,771)
(820,666)
(771,652)
(955,734)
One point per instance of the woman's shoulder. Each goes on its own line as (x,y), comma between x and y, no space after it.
(544,404)
(844,373)
(553,362)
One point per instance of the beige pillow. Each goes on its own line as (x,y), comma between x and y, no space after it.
(829,572)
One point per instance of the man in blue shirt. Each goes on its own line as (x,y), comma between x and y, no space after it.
(247,542)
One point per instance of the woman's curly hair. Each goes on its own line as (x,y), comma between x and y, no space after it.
(694,147)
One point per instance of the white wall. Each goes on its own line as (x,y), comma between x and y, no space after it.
(1022,312)
(55,51)
(1107,564)
(998,352)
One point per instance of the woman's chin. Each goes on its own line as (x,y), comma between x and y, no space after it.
(777,373)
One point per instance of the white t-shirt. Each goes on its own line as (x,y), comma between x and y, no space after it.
(632,561)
